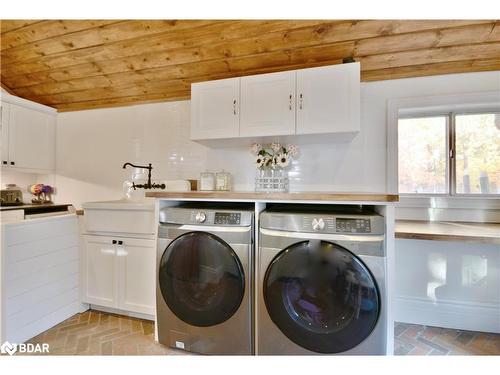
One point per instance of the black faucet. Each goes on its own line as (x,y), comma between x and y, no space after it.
(149,185)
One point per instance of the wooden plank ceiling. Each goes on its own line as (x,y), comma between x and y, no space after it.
(82,64)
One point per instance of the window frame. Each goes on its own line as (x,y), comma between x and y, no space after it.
(450,170)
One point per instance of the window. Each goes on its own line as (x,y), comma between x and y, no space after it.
(455,154)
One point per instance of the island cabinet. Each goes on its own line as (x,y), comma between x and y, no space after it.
(307,101)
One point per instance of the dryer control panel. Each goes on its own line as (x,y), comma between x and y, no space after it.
(348,225)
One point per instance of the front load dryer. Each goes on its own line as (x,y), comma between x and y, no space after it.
(321,283)
(204,279)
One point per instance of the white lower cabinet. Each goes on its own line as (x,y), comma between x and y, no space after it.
(100,271)
(136,275)
(120,273)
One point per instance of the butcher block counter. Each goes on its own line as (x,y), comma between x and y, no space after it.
(448,231)
(275,197)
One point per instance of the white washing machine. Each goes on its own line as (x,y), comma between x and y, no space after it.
(321,283)
(204,279)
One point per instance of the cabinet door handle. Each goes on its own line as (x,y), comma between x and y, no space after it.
(4,162)
(300,101)
(113,242)
(234,107)
(120,242)
(12,163)
(290,102)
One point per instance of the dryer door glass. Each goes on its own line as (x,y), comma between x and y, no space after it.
(201,279)
(321,296)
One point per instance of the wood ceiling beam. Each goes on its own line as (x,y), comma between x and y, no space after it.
(326,33)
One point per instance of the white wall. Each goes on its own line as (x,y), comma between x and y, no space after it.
(92,145)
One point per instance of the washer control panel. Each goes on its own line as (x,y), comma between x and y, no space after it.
(225,218)
(348,225)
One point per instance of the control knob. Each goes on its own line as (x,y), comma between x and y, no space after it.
(318,224)
(200,217)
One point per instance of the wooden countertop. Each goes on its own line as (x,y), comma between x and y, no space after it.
(448,231)
(292,196)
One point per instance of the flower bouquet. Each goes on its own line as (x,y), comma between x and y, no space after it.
(42,193)
(272,163)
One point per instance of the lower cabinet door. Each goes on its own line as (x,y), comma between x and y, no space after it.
(99,285)
(136,259)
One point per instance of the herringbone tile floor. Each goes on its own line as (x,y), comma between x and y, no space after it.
(98,333)
(413,339)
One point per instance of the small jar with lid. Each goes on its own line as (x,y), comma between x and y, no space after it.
(207,181)
(223,181)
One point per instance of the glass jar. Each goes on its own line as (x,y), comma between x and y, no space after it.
(207,181)
(223,181)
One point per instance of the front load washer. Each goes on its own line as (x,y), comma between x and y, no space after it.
(321,283)
(204,279)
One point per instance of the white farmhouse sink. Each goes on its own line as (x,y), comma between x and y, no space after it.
(121,204)
(120,216)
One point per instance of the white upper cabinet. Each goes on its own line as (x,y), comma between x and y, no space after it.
(31,139)
(268,104)
(5,111)
(215,109)
(28,135)
(328,99)
(307,101)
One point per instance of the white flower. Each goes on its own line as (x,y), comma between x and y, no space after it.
(260,161)
(276,147)
(292,150)
(255,148)
(282,160)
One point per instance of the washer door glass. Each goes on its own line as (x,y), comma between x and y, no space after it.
(321,296)
(201,279)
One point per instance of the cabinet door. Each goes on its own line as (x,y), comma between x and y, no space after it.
(215,109)
(137,275)
(268,104)
(4,118)
(100,286)
(328,99)
(31,139)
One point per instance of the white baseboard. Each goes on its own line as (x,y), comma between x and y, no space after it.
(448,314)
(122,312)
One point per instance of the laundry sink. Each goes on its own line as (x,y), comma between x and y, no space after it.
(120,216)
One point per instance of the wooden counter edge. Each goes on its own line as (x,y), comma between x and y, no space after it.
(447,237)
(298,196)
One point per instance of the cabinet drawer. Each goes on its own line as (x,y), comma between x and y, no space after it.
(120,221)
